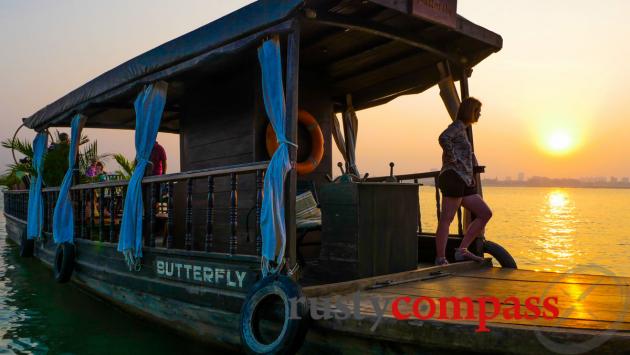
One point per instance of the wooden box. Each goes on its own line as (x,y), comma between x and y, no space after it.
(368,229)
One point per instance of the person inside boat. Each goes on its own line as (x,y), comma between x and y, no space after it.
(457,183)
(64,140)
(158,160)
(91,170)
(157,166)
(99,172)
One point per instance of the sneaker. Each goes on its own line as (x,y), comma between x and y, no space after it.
(462,254)
(441,261)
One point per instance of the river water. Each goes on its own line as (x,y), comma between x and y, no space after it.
(554,229)
(544,229)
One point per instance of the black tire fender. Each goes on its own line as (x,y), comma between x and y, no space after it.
(293,330)
(26,246)
(498,252)
(64,262)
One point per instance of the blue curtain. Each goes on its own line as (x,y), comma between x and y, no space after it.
(272,220)
(149,106)
(35,218)
(63,217)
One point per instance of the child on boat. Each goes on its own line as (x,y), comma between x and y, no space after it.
(457,183)
(99,172)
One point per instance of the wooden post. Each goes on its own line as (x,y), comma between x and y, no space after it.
(152,203)
(82,206)
(478,249)
(466,72)
(292,97)
(259,198)
(92,213)
(46,196)
(415,181)
(44,215)
(233,241)
(188,241)
(51,213)
(210,214)
(170,229)
(101,213)
(75,200)
(112,213)
(463,84)
(145,213)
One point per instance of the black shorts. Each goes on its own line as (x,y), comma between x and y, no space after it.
(452,185)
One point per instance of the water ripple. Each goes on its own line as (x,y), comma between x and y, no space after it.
(39,316)
(554,229)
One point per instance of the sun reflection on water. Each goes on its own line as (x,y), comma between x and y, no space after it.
(557,200)
(556,244)
(553,229)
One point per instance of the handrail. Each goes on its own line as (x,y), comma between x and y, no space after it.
(430,174)
(51,189)
(425,175)
(192,174)
(95,185)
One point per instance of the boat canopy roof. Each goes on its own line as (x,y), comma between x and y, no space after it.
(374,50)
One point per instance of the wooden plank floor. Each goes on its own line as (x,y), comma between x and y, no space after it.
(584,301)
(589,306)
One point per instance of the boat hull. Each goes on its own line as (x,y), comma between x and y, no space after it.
(211,312)
(207,312)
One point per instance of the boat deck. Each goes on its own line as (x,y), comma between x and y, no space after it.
(593,310)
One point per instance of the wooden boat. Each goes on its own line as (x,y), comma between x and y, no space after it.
(201,253)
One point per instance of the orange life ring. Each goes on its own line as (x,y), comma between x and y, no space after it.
(317,142)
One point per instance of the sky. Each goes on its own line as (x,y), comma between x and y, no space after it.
(553,98)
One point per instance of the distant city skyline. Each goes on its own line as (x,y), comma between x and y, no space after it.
(543,181)
(525,177)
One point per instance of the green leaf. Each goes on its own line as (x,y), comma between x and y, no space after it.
(21,146)
(126,166)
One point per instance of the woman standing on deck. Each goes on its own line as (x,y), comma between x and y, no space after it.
(457,183)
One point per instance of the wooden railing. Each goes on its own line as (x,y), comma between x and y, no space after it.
(16,203)
(98,208)
(416,177)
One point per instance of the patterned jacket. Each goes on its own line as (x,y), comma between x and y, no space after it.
(457,152)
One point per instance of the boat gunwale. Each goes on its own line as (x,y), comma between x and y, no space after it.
(394,278)
(198,254)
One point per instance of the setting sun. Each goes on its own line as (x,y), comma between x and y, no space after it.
(559,142)
(559,133)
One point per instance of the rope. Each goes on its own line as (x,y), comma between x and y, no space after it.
(133,263)
(287,142)
(266,268)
